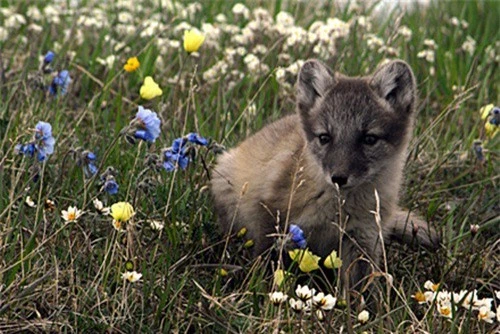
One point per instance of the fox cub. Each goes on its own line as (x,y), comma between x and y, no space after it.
(320,169)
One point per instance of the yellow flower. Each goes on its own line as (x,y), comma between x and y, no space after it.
(150,89)
(420,297)
(280,276)
(222,272)
(132,64)
(122,211)
(193,39)
(248,243)
(241,232)
(485,111)
(332,261)
(305,258)
(491,129)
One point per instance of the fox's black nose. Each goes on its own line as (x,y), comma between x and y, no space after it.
(340,180)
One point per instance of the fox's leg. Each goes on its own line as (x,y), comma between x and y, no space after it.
(358,260)
(410,229)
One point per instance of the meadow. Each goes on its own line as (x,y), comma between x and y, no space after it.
(112,114)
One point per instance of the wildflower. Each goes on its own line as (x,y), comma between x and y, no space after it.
(444,309)
(150,89)
(156,225)
(363,316)
(147,125)
(277,297)
(486,314)
(279,277)
(474,228)
(485,111)
(29,202)
(498,313)
(428,285)
(25,149)
(419,297)
(306,259)
(60,83)
(132,64)
(325,302)
(44,140)
(117,225)
(497,294)
(195,138)
(298,305)
(49,57)
(89,166)
(477,147)
(131,276)
(491,129)
(193,39)
(175,156)
(241,233)
(248,244)
(223,272)
(49,205)
(478,303)
(122,211)
(304,293)
(110,185)
(332,261)
(297,236)
(100,207)
(72,214)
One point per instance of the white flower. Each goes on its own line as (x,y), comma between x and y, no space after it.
(240,9)
(29,202)
(277,297)
(72,214)
(484,302)
(497,294)
(320,315)
(156,225)
(304,293)
(100,207)
(429,285)
(498,313)
(428,55)
(363,316)
(486,314)
(324,302)
(298,305)
(131,276)
(3,34)
(15,21)
(405,32)
(108,62)
(445,309)
(430,43)
(469,45)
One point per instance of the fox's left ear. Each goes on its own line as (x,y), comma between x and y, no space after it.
(395,83)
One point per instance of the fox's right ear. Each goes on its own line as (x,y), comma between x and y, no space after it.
(313,82)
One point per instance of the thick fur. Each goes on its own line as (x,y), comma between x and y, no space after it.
(286,172)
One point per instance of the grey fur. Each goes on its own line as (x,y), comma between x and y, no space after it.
(285,169)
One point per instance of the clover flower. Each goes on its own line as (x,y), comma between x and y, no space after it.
(150,89)
(60,83)
(146,125)
(72,214)
(193,40)
(132,64)
(131,276)
(297,236)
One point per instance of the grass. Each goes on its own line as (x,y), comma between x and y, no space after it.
(65,277)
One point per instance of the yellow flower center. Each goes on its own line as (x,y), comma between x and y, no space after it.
(419,297)
(71,215)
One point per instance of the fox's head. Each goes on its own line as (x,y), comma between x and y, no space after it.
(356,128)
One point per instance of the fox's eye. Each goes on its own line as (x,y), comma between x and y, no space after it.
(324,138)
(370,140)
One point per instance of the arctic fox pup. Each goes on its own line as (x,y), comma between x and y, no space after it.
(348,132)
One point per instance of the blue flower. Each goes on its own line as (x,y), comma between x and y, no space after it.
(297,236)
(60,83)
(44,140)
(148,125)
(111,186)
(195,138)
(49,57)
(26,149)
(89,167)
